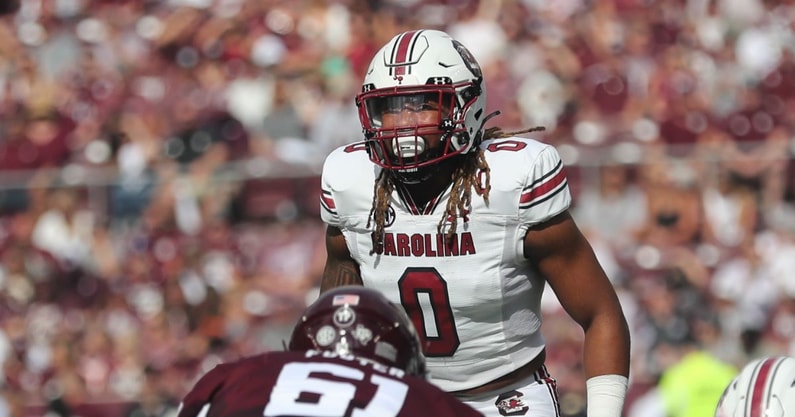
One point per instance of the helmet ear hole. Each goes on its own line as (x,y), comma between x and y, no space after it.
(462,140)
(469,93)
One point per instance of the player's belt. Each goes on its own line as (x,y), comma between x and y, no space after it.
(519,374)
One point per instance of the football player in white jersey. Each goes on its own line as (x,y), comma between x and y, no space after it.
(463,226)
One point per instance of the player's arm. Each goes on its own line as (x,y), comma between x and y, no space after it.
(340,268)
(197,402)
(565,258)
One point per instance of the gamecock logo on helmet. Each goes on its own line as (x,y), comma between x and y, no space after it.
(469,59)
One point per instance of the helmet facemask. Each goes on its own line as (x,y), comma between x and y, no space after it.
(399,123)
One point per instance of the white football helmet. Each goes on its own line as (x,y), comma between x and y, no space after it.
(415,69)
(763,388)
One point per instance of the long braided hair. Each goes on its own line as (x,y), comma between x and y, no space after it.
(465,178)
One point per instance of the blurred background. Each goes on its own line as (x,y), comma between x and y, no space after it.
(159,173)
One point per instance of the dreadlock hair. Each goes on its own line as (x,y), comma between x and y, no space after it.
(465,178)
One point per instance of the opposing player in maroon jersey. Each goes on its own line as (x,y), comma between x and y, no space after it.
(352,354)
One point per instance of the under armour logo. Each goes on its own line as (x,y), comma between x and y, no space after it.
(439,80)
(447,124)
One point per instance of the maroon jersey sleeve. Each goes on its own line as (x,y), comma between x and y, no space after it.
(315,384)
(202,393)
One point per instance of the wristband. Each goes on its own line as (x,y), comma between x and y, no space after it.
(606,395)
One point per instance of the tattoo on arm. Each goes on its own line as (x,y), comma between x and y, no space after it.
(338,274)
(340,268)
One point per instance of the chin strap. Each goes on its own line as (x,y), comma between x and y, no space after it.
(424,173)
(479,135)
(489,117)
(415,177)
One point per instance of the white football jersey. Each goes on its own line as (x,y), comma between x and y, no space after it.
(476,302)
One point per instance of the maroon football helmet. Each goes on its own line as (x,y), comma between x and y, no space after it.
(359,321)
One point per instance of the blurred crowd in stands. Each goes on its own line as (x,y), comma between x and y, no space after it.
(159,166)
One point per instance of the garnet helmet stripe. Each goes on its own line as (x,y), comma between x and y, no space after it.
(759,385)
(402,52)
